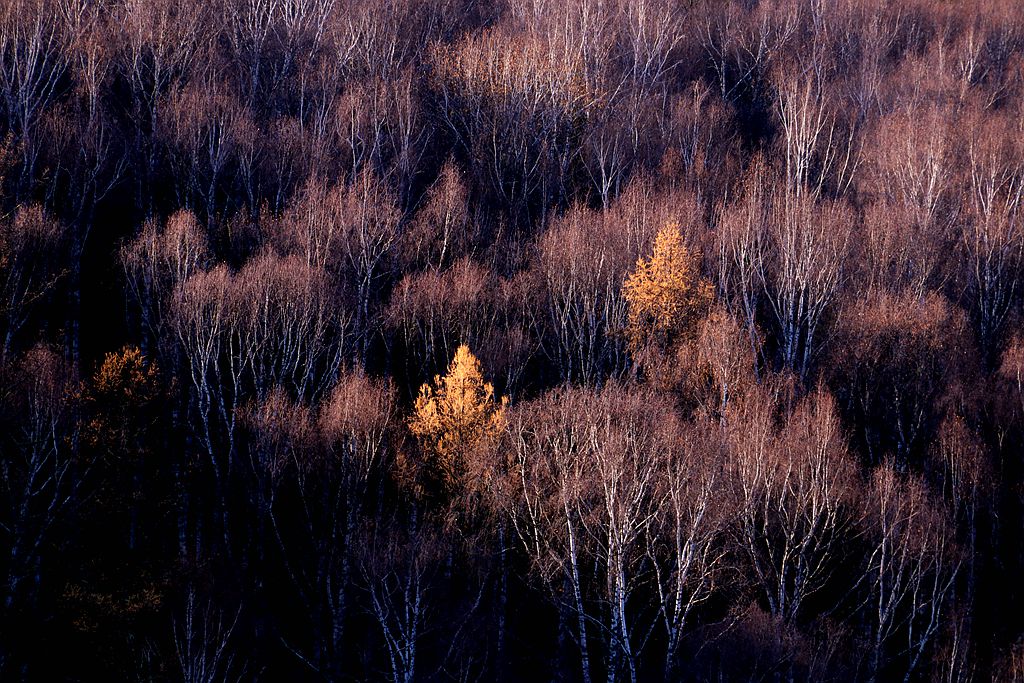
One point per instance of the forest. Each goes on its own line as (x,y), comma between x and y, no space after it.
(512,340)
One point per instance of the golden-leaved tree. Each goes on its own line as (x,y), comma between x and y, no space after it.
(121,400)
(454,417)
(130,506)
(665,293)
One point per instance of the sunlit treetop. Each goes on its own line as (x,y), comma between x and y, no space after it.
(666,293)
(454,415)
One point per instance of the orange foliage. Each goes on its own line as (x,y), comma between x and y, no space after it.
(454,416)
(666,293)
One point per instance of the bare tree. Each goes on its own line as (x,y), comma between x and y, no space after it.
(160,43)
(158,262)
(547,472)
(803,272)
(741,47)
(909,224)
(515,105)
(29,269)
(312,225)
(82,142)
(40,478)
(701,133)
(585,475)
(397,570)
(370,232)
(817,154)
(320,469)
(992,238)
(793,488)
(32,65)
(741,250)
(201,320)
(441,228)
(899,363)
(286,332)
(686,542)
(718,366)
(436,312)
(203,132)
(911,572)
(967,484)
(203,643)
(584,258)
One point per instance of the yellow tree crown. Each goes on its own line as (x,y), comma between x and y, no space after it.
(454,415)
(665,293)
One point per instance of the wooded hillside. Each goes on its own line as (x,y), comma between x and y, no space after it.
(501,340)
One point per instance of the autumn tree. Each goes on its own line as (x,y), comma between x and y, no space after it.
(126,522)
(120,401)
(750,270)
(453,416)
(666,293)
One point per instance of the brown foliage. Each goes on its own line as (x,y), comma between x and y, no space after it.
(664,227)
(900,364)
(125,383)
(29,268)
(717,366)
(441,229)
(794,485)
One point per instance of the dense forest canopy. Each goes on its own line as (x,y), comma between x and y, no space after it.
(499,340)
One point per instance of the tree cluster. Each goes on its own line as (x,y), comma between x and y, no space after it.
(422,340)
